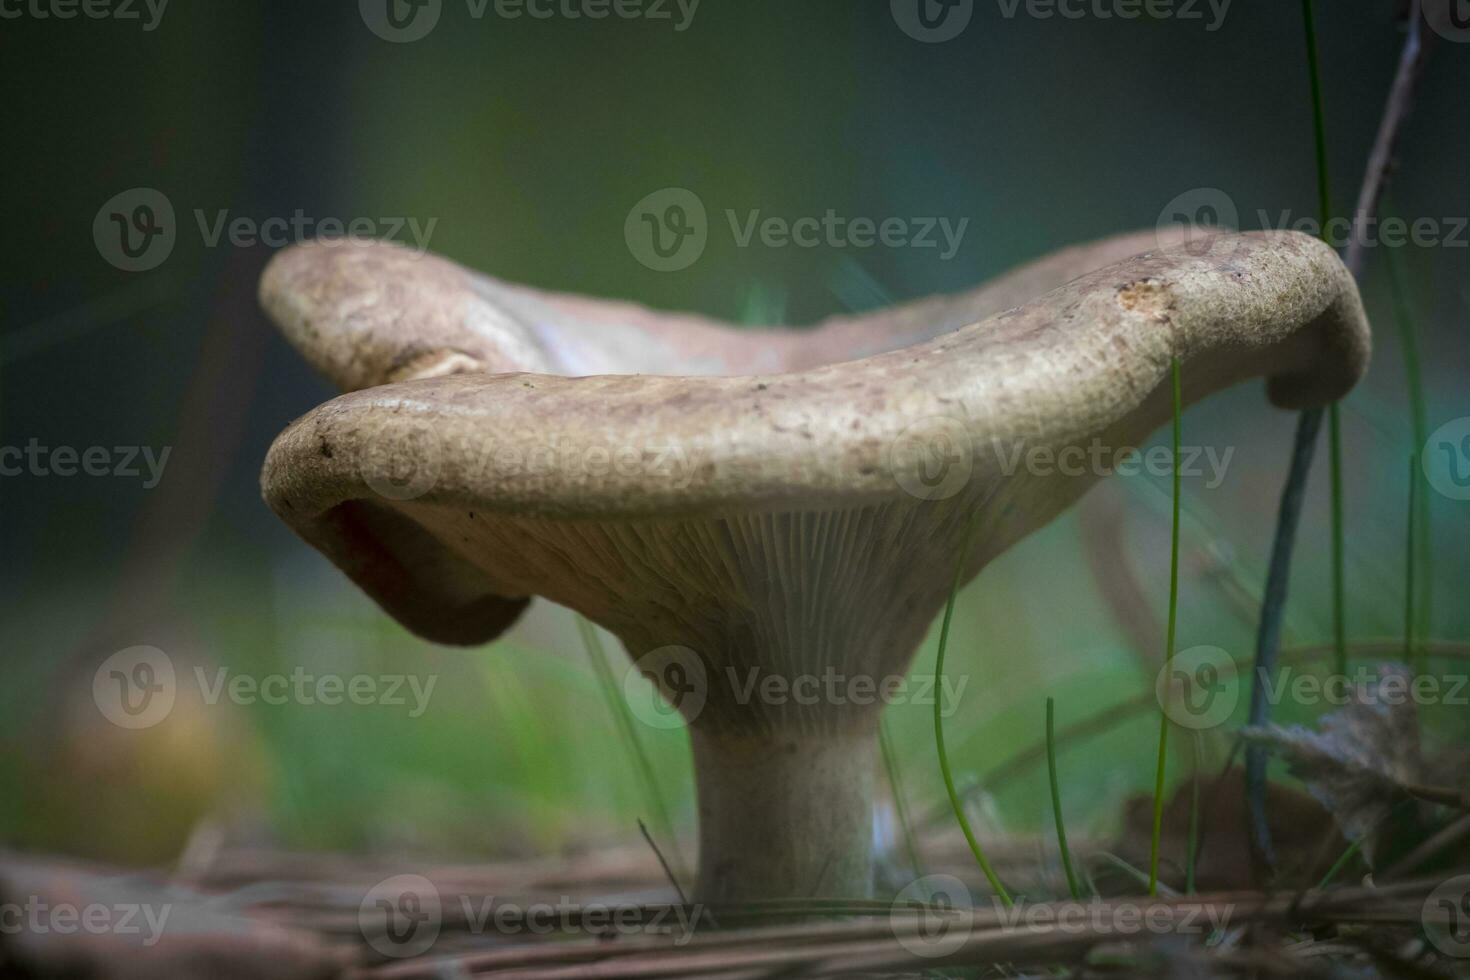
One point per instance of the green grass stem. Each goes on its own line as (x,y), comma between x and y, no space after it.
(944,770)
(1419,417)
(1056,798)
(618,708)
(1163,763)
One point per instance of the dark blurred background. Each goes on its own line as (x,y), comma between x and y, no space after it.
(518,145)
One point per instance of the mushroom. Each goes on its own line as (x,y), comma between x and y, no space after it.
(733,503)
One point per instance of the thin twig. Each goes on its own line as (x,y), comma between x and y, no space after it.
(1385,146)
(1375,182)
(668,872)
(1441,840)
(1268,636)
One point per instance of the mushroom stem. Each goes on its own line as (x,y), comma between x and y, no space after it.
(785,814)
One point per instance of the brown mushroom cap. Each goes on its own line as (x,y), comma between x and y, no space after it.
(770,503)
(371,313)
(730,512)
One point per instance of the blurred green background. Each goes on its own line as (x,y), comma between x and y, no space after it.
(527,141)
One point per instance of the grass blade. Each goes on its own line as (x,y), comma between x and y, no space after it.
(1419,416)
(1341,862)
(1334,422)
(1056,798)
(618,708)
(1192,854)
(1411,656)
(1339,613)
(1319,125)
(1132,872)
(1163,765)
(1357,845)
(944,770)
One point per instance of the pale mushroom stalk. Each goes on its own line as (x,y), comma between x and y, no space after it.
(769,521)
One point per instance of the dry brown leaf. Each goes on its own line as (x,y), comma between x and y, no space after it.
(1361,762)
